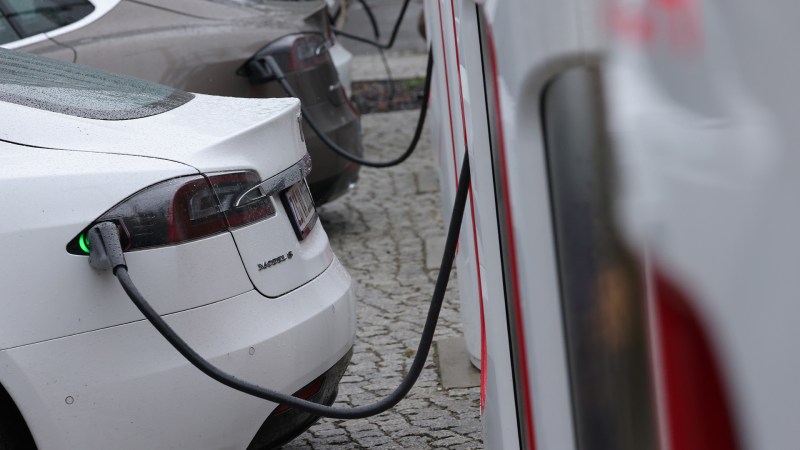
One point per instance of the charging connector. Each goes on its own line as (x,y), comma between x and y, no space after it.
(105,247)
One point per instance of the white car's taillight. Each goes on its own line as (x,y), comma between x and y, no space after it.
(184,209)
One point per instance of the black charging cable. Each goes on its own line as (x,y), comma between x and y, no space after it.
(106,253)
(375,43)
(372,20)
(275,70)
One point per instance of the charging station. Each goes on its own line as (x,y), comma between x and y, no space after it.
(629,231)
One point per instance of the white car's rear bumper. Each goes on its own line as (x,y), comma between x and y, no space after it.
(126,387)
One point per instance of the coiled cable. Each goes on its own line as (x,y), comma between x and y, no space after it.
(276,71)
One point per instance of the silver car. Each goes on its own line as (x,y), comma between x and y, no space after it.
(211,47)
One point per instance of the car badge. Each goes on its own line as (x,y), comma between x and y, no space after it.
(275,261)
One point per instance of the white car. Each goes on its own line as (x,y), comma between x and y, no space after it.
(256,289)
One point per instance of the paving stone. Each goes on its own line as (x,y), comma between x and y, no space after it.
(402,65)
(374,441)
(434,248)
(427,181)
(451,441)
(387,446)
(329,433)
(454,364)
(415,442)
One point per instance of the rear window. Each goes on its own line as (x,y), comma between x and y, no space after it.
(81,91)
(24,18)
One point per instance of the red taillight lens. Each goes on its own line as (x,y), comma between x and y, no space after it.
(305,393)
(238,210)
(184,209)
(308,51)
(192,212)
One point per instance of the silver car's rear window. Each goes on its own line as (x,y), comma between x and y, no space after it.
(81,91)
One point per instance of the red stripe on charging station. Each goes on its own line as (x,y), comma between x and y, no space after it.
(472,212)
(449,108)
(447,90)
(527,403)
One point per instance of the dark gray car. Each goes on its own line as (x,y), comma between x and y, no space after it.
(207,46)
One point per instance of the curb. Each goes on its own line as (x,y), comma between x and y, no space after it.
(402,65)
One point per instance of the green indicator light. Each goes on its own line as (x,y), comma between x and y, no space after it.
(83,243)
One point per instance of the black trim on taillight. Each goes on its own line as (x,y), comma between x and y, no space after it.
(194,207)
(184,209)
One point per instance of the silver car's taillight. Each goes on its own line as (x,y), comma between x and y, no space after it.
(293,53)
(184,209)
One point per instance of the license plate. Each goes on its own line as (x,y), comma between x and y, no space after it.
(300,206)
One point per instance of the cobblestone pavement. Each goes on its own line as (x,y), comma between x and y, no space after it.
(379,232)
